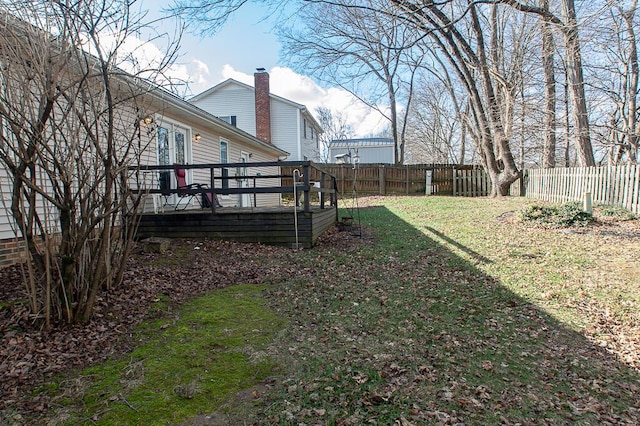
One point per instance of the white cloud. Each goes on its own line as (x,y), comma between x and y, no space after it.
(144,59)
(199,76)
(229,72)
(138,55)
(299,88)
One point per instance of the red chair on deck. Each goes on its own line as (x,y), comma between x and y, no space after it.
(190,191)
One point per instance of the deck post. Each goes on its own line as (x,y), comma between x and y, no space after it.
(323,175)
(255,196)
(213,189)
(307,170)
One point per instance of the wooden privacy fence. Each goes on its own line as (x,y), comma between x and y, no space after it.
(613,185)
(387,179)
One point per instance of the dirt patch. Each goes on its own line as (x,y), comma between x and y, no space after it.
(250,396)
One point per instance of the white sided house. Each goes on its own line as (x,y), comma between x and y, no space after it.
(186,134)
(175,131)
(273,119)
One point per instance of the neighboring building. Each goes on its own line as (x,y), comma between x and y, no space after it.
(273,119)
(367,151)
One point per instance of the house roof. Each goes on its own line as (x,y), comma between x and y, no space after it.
(361,143)
(230,81)
(187,107)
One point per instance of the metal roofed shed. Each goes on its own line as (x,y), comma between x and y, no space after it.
(368,150)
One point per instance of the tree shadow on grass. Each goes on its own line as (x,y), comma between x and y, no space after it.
(404,330)
(472,253)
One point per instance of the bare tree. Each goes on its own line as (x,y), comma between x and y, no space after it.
(469,57)
(568,24)
(70,131)
(619,82)
(335,127)
(548,50)
(438,122)
(435,127)
(364,50)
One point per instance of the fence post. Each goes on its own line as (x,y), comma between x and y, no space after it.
(406,167)
(381,180)
(587,207)
(455,175)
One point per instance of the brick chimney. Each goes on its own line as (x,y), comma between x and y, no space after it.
(263,105)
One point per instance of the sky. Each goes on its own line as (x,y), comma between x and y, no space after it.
(245,43)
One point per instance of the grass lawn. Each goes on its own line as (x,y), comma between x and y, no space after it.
(454,312)
(448,310)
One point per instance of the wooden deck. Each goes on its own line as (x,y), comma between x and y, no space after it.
(268,225)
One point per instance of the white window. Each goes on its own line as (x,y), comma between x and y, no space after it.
(224,158)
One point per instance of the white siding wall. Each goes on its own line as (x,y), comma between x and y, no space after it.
(284,134)
(46,210)
(310,142)
(232,100)
(286,120)
(5,199)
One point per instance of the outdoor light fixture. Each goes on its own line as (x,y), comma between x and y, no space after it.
(197,137)
(147,120)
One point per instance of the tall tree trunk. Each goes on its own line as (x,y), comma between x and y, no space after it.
(398,146)
(463,134)
(576,85)
(632,84)
(548,48)
(503,170)
(523,116)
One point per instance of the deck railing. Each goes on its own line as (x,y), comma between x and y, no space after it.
(149,179)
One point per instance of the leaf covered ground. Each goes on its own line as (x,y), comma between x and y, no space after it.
(436,311)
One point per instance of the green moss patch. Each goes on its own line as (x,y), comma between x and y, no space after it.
(186,365)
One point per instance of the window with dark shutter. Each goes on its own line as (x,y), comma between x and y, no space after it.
(231,119)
